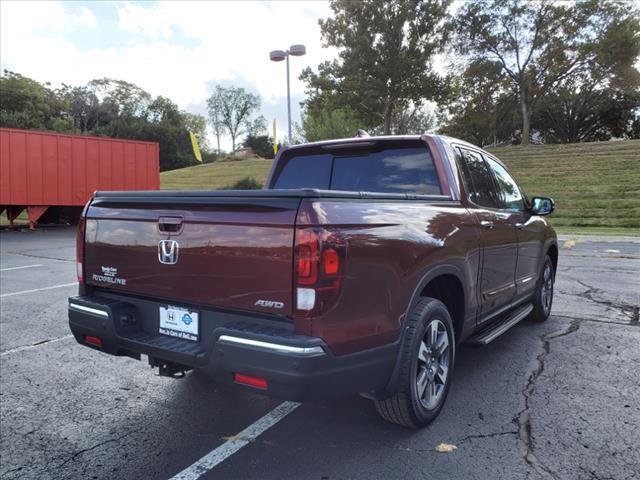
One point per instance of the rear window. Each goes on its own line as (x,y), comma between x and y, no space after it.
(408,169)
(307,171)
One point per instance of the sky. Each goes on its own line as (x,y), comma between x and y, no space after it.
(180,50)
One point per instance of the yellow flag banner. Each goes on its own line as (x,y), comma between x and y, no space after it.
(275,141)
(196,149)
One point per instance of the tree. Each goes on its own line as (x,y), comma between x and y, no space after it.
(257,126)
(124,106)
(540,45)
(165,124)
(198,125)
(385,54)
(108,107)
(601,102)
(260,144)
(586,113)
(412,120)
(327,124)
(83,106)
(482,111)
(236,106)
(214,106)
(26,103)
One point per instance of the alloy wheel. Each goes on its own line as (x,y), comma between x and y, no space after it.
(546,292)
(433,364)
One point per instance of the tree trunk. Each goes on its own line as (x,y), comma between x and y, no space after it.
(526,122)
(388,112)
(218,140)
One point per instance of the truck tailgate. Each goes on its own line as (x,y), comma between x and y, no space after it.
(229,252)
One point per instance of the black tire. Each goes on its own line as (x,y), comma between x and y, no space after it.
(541,302)
(406,407)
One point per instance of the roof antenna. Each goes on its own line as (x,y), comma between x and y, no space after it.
(361,133)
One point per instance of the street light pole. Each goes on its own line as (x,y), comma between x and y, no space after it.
(288,100)
(278,56)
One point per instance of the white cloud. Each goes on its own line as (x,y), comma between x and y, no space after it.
(175,49)
(147,21)
(85,18)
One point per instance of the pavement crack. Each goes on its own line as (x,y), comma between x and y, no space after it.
(594,320)
(14,470)
(487,435)
(33,345)
(523,419)
(628,310)
(94,447)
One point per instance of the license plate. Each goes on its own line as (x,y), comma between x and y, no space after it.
(179,322)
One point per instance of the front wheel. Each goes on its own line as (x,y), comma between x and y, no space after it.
(426,366)
(543,298)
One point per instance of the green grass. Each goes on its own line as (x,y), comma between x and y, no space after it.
(596,185)
(214,175)
(22,219)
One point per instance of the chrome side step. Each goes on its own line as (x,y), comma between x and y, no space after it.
(491,332)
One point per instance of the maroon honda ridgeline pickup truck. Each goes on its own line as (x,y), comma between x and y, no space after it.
(358,270)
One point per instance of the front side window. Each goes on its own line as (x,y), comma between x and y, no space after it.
(477,179)
(511,194)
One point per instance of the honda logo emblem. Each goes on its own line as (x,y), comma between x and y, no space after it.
(168,251)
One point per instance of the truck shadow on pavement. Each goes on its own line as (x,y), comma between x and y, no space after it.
(483,406)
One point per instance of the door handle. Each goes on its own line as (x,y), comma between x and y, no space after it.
(486,224)
(519,226)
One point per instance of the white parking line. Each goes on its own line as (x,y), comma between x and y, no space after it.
(231,446)
(19,268)
(37,290)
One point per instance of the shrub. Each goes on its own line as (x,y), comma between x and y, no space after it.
(260,144)
(246,183)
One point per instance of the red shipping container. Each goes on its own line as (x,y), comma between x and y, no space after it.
(40,170)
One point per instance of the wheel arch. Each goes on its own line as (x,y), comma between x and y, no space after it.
(433,282)
(552,251)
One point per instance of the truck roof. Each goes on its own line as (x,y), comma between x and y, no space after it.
(363,140)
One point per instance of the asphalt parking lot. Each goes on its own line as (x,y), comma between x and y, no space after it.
(554,400)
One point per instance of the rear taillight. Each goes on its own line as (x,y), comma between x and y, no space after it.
(320,258)
(307,245)
(80,250)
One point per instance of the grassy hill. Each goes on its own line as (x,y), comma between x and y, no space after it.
(596,185)
(214,175)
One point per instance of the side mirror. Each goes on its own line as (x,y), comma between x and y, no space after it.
(542,205)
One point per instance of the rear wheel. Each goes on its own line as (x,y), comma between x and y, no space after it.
(426,367)
(543,298)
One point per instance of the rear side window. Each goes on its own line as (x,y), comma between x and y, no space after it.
(478,180)
(389,170)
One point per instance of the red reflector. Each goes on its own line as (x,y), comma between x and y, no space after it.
(330,261)
(251,381)
(97,341)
